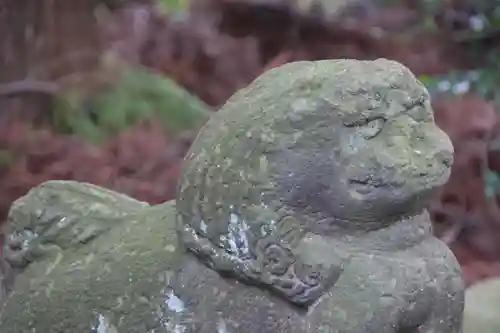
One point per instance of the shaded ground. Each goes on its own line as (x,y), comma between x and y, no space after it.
(219,48)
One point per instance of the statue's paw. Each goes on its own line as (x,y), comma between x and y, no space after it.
(303,284)
(316,275)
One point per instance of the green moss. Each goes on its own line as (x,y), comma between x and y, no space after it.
(140,95)
(120,273)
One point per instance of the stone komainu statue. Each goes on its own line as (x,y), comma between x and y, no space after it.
(300,209)
(312,184)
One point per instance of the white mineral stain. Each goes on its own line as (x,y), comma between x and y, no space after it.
(62,222)
(26,235)
(263,231)
(174,303)
(243,237)
(203,227)
(233,225)
(232,245)
(169,248)
(237,229)
(104,325)
(221,326)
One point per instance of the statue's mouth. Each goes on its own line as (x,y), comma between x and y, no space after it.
(422,181)
(368,183)
(369,186)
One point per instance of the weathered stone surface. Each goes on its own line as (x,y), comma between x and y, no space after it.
(310,185)
(301,207)
(6,281)
(482,306)
(91,258)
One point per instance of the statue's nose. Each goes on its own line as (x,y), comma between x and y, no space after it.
(444,151)
(445,157)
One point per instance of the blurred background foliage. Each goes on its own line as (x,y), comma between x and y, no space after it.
(174,5)
(139,95)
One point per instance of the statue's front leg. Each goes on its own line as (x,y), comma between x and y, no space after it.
(446,316)
(438,325)
(429,312)
(447,285)
(355,305)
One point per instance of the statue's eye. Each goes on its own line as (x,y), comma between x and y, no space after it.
(371,128)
